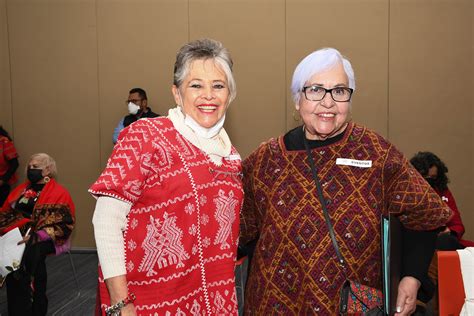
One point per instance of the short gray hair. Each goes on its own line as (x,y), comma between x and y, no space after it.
(316,62)
(46,161)
(204,49)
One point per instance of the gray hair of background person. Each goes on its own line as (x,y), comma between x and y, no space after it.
(46,161)
(204,49)
(316,62)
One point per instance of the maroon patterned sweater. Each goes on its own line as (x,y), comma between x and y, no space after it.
(294,270)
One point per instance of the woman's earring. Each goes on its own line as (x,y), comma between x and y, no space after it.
(46,179)
(296,116)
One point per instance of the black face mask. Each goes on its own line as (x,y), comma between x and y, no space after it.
(433,182)
(34,175)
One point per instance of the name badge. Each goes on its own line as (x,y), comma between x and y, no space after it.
(354,163)
(234,157)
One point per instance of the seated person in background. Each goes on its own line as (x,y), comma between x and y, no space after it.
(8,164)
(43,205)
(434,171)
(138,108)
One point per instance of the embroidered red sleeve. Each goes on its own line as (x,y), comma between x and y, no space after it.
(128,165)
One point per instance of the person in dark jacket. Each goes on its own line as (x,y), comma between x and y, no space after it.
(138,108)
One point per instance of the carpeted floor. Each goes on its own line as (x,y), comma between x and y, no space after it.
(66,298)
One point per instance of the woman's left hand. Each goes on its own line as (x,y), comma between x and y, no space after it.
(406,298)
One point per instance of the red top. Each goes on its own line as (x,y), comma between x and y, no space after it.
(455,224)
(7,152)
(182,229)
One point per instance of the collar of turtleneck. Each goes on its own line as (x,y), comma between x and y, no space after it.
(216,147)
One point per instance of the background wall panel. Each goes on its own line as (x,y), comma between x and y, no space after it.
(359,30)
(254,33)
(5,95)
(73,62)
(137,43)
(431,85)
(53,48)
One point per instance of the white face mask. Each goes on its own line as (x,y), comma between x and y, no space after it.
(198,129)
(133,108)
(202,131)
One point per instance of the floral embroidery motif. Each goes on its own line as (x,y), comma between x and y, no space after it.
(193,230)
(162,245)
(206,242)
(132,245)
(134,223)
(205,219)
(189,208)
(203,200)
(225,215)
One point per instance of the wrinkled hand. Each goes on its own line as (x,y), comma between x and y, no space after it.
(406,298)
(128,310)
(24,240)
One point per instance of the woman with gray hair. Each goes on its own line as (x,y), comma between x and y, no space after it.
(44,212)
(330,172)
(167,214)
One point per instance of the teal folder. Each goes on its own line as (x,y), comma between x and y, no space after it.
(391,261)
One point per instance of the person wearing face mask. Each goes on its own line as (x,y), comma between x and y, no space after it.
(44,209)
(167,213)
(137,104)
(330,169)
(434,170)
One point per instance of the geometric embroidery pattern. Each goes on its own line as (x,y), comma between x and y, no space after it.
(162,245)
(225,216)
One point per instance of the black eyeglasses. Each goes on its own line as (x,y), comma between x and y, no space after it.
(317,93)
(135,101)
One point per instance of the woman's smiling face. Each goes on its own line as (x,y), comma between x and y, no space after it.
(204,93)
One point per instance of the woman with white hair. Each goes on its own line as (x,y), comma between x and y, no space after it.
(296,269)
(44,212)
(167,215)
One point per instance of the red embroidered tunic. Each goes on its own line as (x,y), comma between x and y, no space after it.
(182,229)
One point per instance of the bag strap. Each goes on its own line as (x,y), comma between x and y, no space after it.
(323,204)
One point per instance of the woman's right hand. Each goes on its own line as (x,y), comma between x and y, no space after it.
(128,310)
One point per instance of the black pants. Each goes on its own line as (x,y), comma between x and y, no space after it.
(4,191)
(26,288)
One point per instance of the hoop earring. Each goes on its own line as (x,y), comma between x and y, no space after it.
(296,116)
(46,179)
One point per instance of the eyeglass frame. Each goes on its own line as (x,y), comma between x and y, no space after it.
(134,101)
(326,91)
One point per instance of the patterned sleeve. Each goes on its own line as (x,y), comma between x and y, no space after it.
(407,194)
(128,165)
(248,215)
